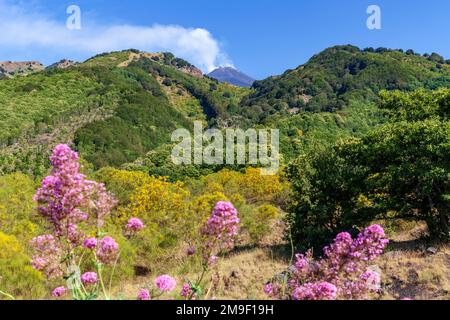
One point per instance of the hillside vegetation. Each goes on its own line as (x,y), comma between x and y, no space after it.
(338,75)
(114,107)
(359,209)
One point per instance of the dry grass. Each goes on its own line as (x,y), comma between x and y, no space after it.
(243,274)
(409,270)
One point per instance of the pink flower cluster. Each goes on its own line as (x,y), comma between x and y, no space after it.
(71,203)
(59,292)
(315,291)
(66,199)
(90,243)
(66,196)
(107,250)
(342,273)
(223,223)
(271,290)
(134,225)
(186,291)
(47,256)
(89,278)
(165,283)
(219,232)
(144,294)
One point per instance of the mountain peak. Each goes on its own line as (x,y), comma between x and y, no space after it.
(62,64)
(231,75)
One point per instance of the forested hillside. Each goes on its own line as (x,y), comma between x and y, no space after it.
(114,108)
(330,80)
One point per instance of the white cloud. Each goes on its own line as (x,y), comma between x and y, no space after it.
(26,31)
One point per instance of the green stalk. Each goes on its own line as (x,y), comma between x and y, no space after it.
(7,295)
(99,269)
(113,271)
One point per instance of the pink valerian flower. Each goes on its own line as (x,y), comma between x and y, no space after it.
(223,223)
(268,289)
(272,290)
(219,231)
(67,199)
(165,283)
(48,256)
(59,292)
(134,225)
(101,201)
(89,278)
(66,193)
(107,251)
(186,291)
(344,265)
(304,264)
(370,243)
(73,235)
(372,280)
(301,262)
(144,294)
(90,243)
(315,291)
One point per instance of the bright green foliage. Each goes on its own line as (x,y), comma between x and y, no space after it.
(158,162)
(308,131)
(218,100)
(37,103)
(418,105)
(137,124)
(338,75)
(259,221)
(399,170)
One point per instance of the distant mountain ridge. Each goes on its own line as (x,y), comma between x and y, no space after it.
(10,68)
(62,64)
(232,76)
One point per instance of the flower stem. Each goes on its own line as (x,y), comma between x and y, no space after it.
(99,268)
(7,295)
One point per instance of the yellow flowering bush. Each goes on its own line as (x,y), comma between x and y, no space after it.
(17,277)
(253,186)
(163,207)
(122,183)
(17,206)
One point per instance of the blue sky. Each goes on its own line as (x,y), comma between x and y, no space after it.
(261,37)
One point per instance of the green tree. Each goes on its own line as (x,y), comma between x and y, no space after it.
(399,170)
